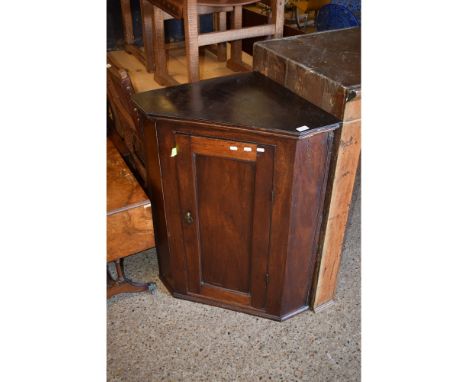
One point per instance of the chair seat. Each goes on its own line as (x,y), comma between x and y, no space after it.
(176,7)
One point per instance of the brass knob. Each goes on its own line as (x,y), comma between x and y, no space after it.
(188,217)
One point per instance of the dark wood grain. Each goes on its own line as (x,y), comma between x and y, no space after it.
(310,178)
(217,186)
(244,100)
(225,190)
(254,197)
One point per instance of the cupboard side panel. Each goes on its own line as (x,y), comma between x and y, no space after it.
(155,193)
(166,140)
(310,172)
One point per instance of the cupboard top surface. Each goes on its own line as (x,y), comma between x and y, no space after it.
(335,55)
(247,100)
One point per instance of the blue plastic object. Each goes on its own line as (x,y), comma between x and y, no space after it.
(336,16)
(353,5)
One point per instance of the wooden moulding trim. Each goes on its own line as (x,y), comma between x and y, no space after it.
(230,306)
(235,34)
(232,296)
(246,129)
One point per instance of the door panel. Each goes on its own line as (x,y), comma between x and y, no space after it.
(225,208)
(226,188)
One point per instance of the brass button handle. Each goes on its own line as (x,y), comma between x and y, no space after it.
(188,217)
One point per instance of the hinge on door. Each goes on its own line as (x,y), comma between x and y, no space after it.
(272,195)
(267,278)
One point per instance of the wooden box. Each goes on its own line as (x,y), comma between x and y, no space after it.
(325,69)
(237,170)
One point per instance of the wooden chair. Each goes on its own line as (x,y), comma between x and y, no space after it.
(126,134)
(189,11)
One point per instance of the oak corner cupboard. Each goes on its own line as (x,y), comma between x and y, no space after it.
(237,172)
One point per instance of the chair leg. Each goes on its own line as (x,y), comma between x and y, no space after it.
(161,75)
(221,26)
(235,62)
(277,10)
(127,22)
(191,40)
(129,38)
(147,26)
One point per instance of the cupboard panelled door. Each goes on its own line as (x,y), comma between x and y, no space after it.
(225,193)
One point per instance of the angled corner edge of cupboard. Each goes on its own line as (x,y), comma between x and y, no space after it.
(342,178)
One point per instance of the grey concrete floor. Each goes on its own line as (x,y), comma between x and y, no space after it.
(160,338)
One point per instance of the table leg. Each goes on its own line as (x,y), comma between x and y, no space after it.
(122,284)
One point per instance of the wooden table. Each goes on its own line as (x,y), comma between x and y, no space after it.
(325,69)
(129,222)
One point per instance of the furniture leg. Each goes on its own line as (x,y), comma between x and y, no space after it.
(220,20)
(235,62)
(161,74)
(129,38)
(191,40)
(147,27)
(127,22)
(124,285)
(277,10)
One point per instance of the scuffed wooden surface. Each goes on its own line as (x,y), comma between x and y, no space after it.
(324,67)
